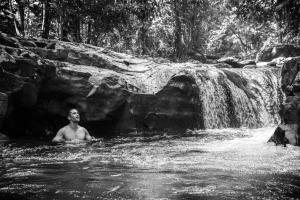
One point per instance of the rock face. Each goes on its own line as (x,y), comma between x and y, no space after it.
(270,53)
(40,80)
(290,112)
(175,107)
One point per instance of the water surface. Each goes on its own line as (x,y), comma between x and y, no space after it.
(210,164)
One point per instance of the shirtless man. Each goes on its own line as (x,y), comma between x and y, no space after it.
(72,132)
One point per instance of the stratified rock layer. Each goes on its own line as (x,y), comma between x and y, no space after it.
(117,93)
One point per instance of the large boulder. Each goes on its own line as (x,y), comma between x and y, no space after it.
(269,53)
(176,107)
(290,111)
(290,80)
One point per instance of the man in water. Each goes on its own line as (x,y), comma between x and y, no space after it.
(72,132)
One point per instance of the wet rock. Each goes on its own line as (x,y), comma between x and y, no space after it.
(3,137)
(174,108)
(290,112)
(212,57)
(40,44)
(289,72)
(51,45)
(286,134)
(270,53)
(8,41)
(279,137)
(234,62)
(247,62)
(221,65)
(5,57)
(27,43)
(250,66)
(196,55)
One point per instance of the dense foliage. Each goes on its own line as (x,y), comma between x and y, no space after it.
(177,29)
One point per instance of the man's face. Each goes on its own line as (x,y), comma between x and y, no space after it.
(74,115)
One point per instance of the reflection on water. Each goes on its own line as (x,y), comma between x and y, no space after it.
(210,164)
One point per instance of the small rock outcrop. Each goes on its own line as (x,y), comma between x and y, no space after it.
(290,112)
(233,62)
(279,137)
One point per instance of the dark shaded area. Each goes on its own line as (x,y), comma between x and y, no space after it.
(279,137)
(173,109)
(290,111)
(10,196)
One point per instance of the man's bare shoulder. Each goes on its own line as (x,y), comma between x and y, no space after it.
(63,129)
(81,128)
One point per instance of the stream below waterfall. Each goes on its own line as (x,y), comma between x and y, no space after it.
(206,164)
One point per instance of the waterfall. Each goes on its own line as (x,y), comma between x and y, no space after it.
(239,97)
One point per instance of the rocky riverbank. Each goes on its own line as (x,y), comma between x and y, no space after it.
(119,94)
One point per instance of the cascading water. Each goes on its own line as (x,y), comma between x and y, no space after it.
(239,97)
(210,97)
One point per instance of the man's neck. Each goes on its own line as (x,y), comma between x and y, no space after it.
(73,125)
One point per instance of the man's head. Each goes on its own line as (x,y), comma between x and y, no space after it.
(73,115)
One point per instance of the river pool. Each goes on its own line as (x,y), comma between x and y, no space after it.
(208,164)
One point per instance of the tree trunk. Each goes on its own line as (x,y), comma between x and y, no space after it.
(63,22)
(22,15)
(64,30)
(89,32)
(77,30)
(143,38)
(179,52)
(17,32)
(46,19)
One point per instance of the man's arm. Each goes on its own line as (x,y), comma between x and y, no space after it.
(59,136)
(87,135)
